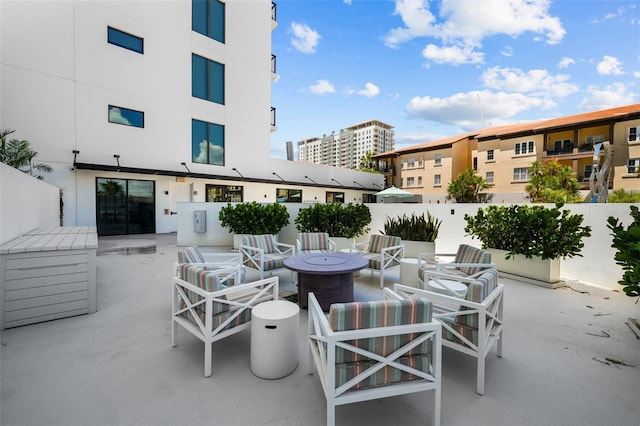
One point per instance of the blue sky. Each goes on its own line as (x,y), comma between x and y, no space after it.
(433,69)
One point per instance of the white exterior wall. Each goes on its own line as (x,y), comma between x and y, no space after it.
(59,75)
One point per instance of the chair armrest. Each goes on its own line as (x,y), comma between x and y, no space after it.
(332,245)
(432,258)
(355,247)
(442,267)
(287,249)
(399,247)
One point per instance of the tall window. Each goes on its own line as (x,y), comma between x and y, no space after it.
(490,155)
(633,166)
(410,163)
(125,40)
(207,18)
(128,117)
(521,174)
(419,180)
(207,79)
(207,143)
(438,159)
(284,195)
(410,181)
(634,134)
(437,180)
(489,177)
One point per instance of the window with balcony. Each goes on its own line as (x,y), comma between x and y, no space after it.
(633,166)
(207,143)
(125,40)
(125,116)
(437,180)
(207,79)
(438,159)
(521,174)
(634,134)
(490,155)
(208,18)
(489,178)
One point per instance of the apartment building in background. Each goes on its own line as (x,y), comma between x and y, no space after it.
(502,155)
(138,106)
(346,147)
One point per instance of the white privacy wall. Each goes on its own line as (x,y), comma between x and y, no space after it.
(596,266)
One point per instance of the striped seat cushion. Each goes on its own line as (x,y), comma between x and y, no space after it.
(273,261)
(375,261)
(314,242)
(265,242)
(190,255)
(470,254)
(378,242)
(384,313)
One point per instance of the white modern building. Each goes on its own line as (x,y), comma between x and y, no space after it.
(346,147)
(140,105)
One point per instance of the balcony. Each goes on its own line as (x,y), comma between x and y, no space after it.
(274,74)
(273,120)
(274,21)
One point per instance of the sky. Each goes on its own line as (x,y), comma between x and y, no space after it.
(433,69)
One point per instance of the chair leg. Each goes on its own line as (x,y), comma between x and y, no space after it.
(174,334)
(207,359)
(436,406)
(381,279)
(499,348)
(331,414)
(480,379)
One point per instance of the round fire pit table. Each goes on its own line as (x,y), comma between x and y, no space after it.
(327,275)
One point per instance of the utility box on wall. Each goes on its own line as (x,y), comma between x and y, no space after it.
(200,221)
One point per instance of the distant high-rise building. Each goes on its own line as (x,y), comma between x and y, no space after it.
(347,147)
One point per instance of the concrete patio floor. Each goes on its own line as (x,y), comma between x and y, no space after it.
(116,367)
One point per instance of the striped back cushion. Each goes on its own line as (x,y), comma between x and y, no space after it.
(314,241)
(265,242)
(378,242)
(205,279)
(477,291)
(470,254)
(381,313)
(190,255)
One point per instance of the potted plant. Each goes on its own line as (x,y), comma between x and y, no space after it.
(529,241)
(418,232)
(627,243)
(343,222)
(253,219)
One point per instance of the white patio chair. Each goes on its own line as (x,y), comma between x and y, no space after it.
(315,242)
(360,355)
(471,324)
(194,256)
(263,253)
(468,261)
(382,251)
(206,307)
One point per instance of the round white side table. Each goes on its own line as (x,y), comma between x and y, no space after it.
(409,271)
(274,339)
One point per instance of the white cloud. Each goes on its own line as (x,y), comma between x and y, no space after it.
(216,154)
(453,55)
(115,116)
(305,39)
(636,74)
(468,110)
(370,90)
(322,87)
(609,66)
(507,51)
(537,82)
(471,21)
(566,62)
(611,96)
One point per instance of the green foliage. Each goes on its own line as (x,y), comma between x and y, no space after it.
(19,155)
(532,231)
(110,187)
(254,218)
(414,228)
(339,220)
(466,188)
(551,182)
(367,163)
(627,243)
(621,196)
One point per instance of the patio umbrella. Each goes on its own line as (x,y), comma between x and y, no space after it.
(394,192)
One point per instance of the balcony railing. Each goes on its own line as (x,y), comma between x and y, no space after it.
(273,117)
(273,11)
(273,63)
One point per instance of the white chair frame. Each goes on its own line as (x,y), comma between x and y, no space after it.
(299,250)
(432,261)
(255,256)
(490,320)
(239,297)
(387,257)
(321,336)
(215,261)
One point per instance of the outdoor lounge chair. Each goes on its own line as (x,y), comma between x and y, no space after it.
(315,242)
(206,306)
(194,256)
(471,324)
(372,350)
(263,253)
(382,251)
(468,261)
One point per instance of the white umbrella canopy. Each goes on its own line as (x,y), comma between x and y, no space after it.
(394,192)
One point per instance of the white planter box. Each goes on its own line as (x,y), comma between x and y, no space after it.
(342,242)
(412,248)
(534,270)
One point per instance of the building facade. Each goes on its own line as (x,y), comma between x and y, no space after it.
(138,106)
(502,155)
(346,147)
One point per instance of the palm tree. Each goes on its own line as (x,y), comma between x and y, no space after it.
(466,187)
(551,182)
(19,155)
(367,163)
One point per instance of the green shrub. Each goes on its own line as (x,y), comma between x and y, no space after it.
(339,220)
(414,228)
(254,218)
(627,243)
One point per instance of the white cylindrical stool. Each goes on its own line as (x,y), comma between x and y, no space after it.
(409,271)
(274,339)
